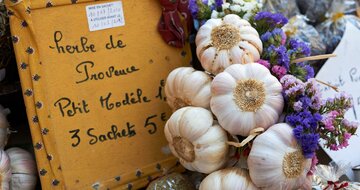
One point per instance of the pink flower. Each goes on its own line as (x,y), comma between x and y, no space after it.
(334,147)
(347,136)
(344,144)
(264,63)
(279,71)
(334,114)
(328,123)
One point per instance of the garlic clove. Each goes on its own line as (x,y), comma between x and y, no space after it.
(272,87)
(231,19)
(252,49)
(203,45)
(236,54)
(207,166)
(207,58)
(276,102)
(247,57)
(211,136)
(213,22)
(248,30)
(204,34)
(223,61)
(172,125)
(173,76)
(237,72)
(168,133)
(246,119)
(226,85)
(178,86)
(234,20)
(199,97)
(228,179)
(222,102)
(195,128)
(253,40)
(188,165)
(265,115)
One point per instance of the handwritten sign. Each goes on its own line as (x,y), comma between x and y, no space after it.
(95,99)
(343,71)
(105,15)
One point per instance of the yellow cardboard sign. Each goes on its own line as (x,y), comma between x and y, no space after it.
(93,76)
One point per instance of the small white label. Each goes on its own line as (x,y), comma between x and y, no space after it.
(105,15)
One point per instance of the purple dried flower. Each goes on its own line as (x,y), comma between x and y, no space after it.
(289,81)
(266,36)
(275,37)
(193,7)
(218,3)
(276,19)
(266,21)
(298,49)
(277,56)
(307,70)
(307,141)
(350,124)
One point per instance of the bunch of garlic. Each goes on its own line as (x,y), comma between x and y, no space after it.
(23,169)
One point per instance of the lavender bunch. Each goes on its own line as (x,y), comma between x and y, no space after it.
(200,10)
(266,21)
(303,105)
(279,51)
(314,118)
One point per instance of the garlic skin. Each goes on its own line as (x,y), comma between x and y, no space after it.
(228,179)
(187,87)
(23,169)
(276,161)
(245,97)
(4,127)
(197,140)
(222,42)
(5,171)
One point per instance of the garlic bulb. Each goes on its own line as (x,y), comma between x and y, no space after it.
(246,96)
(276,161)
(23,169)
(5,171)
(228,179)
(196,139)
(222,42)
(187,87)
(4,127)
